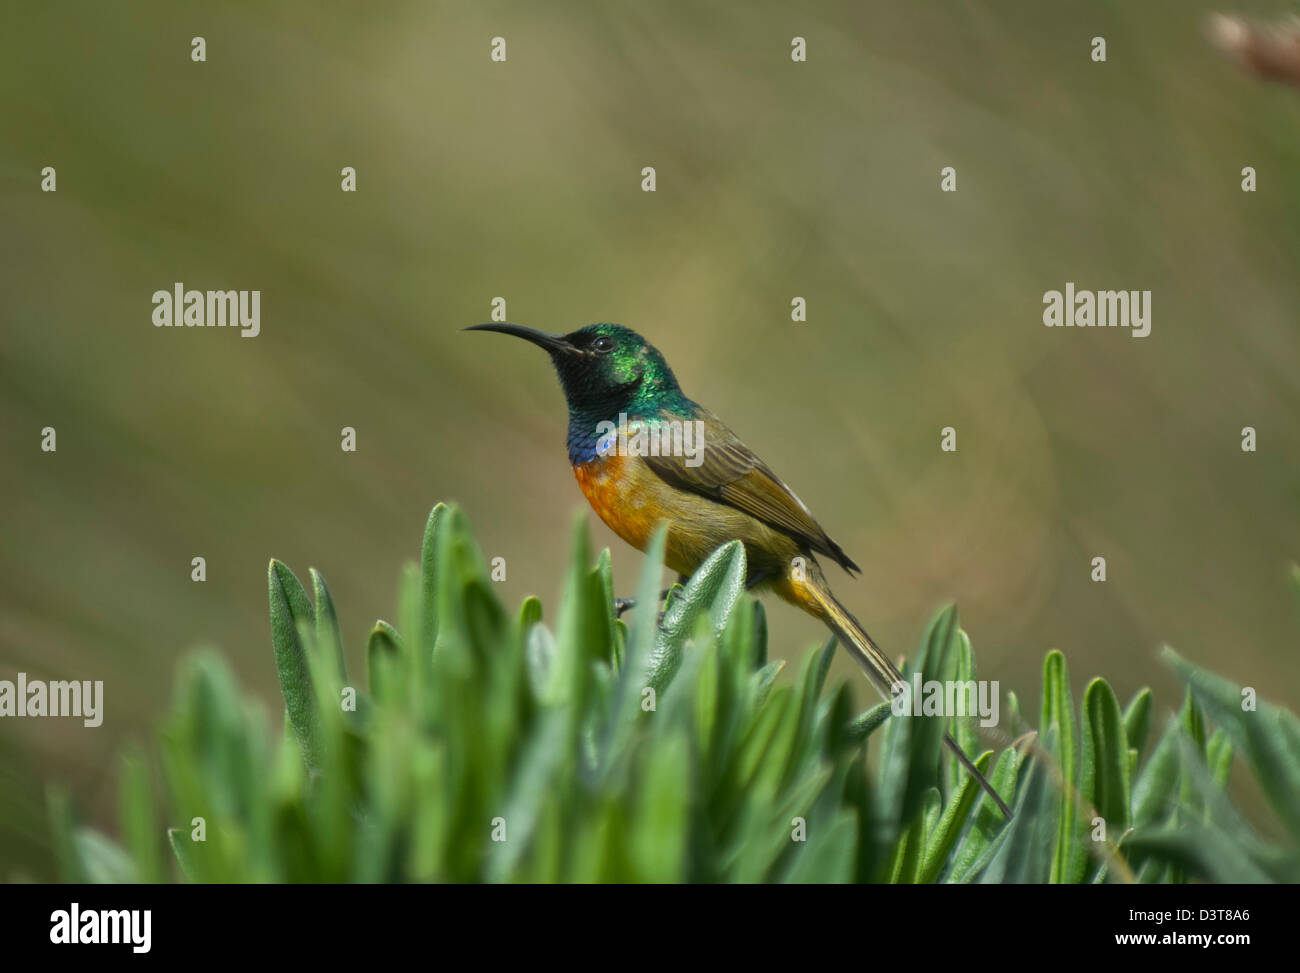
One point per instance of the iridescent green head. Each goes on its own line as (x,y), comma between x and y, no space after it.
(604,368)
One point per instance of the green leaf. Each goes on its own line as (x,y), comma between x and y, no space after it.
(661,828)
(540,652)
(943,838)
(290,609)
(988,823)
(1204,852)
(602,580)
(764,679)
(1024,852)
(1267,736)
(911,762)
(712,592)
(1156,786)
(62,830)
(1218,755)
(428,633)
(328,633)
(643,632)
(760,635)
(1137,720)
(383,661)
(827,856)
(1104,770)
(584,630)
(1058,726)
(963,730)
(865,723)
(136,811)
(823,666)
(539,765)
(103,861)
(179,840)
(1013,720)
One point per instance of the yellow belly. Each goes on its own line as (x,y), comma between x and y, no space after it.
(632,500)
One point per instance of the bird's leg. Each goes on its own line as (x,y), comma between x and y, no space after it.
(625,604)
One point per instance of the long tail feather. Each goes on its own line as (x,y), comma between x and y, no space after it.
(879,669)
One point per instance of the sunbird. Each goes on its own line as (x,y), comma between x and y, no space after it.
(717,492)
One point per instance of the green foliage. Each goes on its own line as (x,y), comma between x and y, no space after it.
(490,747)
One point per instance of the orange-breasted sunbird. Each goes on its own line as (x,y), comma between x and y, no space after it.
(712,490)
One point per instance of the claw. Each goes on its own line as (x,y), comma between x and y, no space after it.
(624,604)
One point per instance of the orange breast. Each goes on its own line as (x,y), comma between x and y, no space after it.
(617,489)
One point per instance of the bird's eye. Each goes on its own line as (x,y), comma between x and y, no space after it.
(602,345)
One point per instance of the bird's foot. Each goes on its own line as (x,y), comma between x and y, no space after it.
(625,604)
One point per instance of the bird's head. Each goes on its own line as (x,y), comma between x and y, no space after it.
(604,368)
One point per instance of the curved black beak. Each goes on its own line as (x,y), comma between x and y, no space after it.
(553,343)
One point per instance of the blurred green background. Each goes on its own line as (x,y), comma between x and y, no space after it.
(522,180)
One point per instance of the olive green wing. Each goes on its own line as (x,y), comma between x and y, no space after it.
(729,472)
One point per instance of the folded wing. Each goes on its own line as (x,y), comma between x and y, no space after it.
(731,474)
